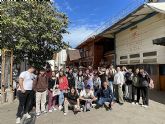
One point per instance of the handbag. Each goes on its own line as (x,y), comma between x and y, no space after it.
(56,92)
(151,84)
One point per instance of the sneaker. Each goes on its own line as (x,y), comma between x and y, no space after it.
(65,113)
(60,107)
(54,109)
(27,115)
(38,114)
(18,120)
(137,103)
(50,111)
(133,103)
(145,106)
(44,112)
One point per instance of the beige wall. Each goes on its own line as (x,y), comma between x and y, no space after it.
(139,40)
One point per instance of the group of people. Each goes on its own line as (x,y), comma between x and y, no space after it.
(80,89)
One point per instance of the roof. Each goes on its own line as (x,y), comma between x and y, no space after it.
(74,55)
(143,12)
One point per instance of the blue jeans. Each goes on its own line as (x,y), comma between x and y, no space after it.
(111,85)
(61,98)
(103,100)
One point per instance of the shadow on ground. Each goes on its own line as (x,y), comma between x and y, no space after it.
(157,96)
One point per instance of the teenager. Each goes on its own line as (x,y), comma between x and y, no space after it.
(72,101)
(106,96)
(52,85)
(144,81)
(63,87)
(87,97)
(128,85)
(24,93)
(111,75)
(135,87)
(118,82)
(79,81)
(40,86)
(71,79)
(96,82)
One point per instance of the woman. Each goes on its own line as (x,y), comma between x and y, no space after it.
(63,86)
(52,85)
(79,81)
(96,82)
(71,100)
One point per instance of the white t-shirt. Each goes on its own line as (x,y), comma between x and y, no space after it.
(86,95)
(27,80)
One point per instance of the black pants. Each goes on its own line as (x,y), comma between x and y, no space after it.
(25,100)
(135,91)
(145,97)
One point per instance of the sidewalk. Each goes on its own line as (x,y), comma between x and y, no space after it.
(126,114)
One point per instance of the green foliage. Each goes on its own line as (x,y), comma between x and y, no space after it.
(32,29)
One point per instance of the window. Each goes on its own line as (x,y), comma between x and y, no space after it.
(123,62)
(151,61)
(154,53)
(134,56)
(123,57)
(134,61)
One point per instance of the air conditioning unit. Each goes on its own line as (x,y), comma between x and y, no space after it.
(153,1)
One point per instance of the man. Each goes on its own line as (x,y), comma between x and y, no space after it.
(40,86)
(112,72)
(118,82)
(106,96)
(25,93)
(87,97)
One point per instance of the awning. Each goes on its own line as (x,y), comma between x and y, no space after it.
(159,7)
(74,55)
(159,41)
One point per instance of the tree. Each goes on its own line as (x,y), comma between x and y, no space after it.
(32,29)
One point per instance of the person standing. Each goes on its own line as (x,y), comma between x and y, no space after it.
(24,93)
(79,81)
(63,86)
(71,79)
(118,82)
(52,85)
(135,87)
(40,86)
(128,85)
(111,74)
(144,81)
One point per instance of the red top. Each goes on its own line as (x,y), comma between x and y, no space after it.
(63,83)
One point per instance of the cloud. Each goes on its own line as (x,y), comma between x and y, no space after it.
(67,6)
(78,34)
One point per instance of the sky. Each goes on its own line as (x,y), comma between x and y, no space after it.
(86,16)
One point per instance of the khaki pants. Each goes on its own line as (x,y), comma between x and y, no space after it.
(40,100)
(119,93)
(67,105)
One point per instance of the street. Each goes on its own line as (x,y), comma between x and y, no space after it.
(126,114)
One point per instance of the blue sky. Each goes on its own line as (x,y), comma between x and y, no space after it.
(86,16)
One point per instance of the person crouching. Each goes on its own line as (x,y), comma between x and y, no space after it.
(71,100)
(106,97)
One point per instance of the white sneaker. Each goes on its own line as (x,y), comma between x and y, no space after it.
(65,113)
(38,114)
(54,109)
(50,111)
(137,103)
(145,106)
(60,107)
(27,115)
(133,103)
(44,112)
(18,120)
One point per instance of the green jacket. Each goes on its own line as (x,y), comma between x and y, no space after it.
(135,80)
